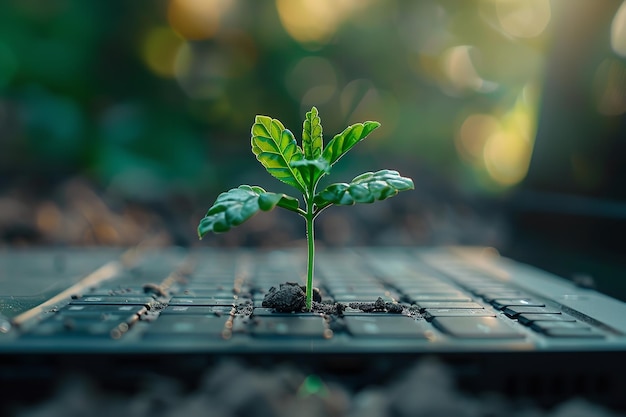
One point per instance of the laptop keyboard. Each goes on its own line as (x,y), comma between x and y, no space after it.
(218,296)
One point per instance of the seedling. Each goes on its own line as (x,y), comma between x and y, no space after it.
(302,168)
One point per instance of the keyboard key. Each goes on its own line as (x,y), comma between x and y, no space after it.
(189,326)
(75,328)
(428,288)
(100,310)
(385,326)
(450,296)
(196,310)
(210,287)
(430,313)
(490,296)
(550,325)
(210,293)
(363,298)
(495,289)
(376,292)
(574,333)
(299,326)
(530,318)
(113,300)
(501,303)
(363,288)
(566,329)
(201,301)
(476,327)
(513,311)
(95,317)
(88,320)
(448,304)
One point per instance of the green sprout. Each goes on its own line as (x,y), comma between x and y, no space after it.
(302,168)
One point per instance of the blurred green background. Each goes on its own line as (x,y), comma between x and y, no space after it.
(131,115)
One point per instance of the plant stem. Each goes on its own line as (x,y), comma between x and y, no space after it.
(310,237)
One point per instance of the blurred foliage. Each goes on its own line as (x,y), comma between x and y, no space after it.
(148,97)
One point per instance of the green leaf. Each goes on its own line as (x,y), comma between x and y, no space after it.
(312,142)
(276,148)
(319,164)
(366,188)
(344,141)
(312,169)
(237,205)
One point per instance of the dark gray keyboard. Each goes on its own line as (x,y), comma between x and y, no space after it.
(218,295)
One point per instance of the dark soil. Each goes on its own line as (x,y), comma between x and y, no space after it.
(378,306)
(290,297)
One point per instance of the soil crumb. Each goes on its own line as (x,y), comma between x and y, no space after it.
(328,308)
(289,297)
(245,309)
(378,306)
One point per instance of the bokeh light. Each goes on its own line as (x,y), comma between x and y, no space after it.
(197,19)
(618,31)
(507,150)
(151,100)
(315,22)
(506,157)
(472,136)
(523,18)
(461,73)
(160,48)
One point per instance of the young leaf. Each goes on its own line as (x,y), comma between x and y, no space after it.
(311,169)
(366,188)
(319,164)
(276,148)
(312,142)
(345,140)
(239,204)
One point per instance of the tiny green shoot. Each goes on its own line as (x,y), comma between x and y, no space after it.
(302,168)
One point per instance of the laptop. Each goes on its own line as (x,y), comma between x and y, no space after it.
(123,316)
(500,325)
